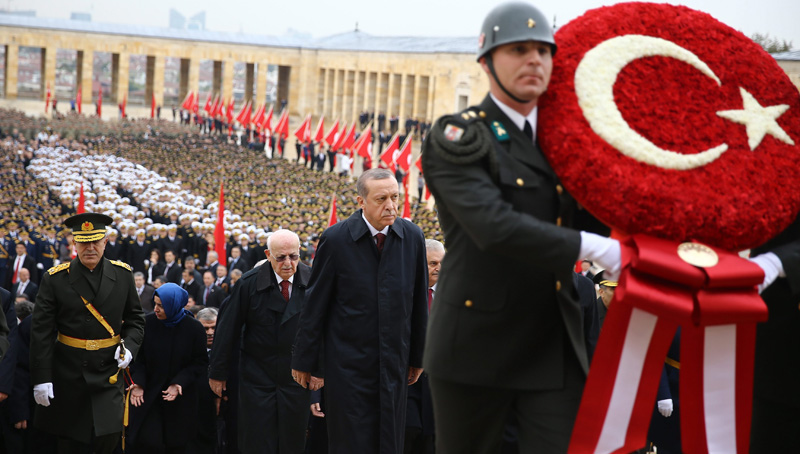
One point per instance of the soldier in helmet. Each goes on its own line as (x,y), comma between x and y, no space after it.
(86,326)
(505,336)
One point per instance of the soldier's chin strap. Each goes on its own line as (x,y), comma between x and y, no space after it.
(490,64)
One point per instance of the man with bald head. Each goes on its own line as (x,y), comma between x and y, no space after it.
(264,309)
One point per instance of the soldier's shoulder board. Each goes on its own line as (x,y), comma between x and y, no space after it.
(122,264)
(56,269)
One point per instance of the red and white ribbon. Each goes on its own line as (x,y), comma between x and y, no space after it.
(718,308)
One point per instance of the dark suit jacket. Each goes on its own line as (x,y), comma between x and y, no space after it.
(146,298)
(29,263)
(369,327)
(173,273)
(215,297)
(241,265)
(30,291)
(194,289)
(501,204)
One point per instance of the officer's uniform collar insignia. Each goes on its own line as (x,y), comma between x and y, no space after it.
(453,133)
(499,131)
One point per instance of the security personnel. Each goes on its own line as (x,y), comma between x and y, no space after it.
(87,325)
(506,335)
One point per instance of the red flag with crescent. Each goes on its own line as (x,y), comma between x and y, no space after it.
(219,229)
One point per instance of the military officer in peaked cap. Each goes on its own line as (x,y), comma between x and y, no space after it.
(87,325)
(505,336)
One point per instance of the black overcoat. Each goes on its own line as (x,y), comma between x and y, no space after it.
(169,355)
(273,408)
(370,312)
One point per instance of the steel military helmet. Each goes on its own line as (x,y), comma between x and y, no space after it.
(513,22)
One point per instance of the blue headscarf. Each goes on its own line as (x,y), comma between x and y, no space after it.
(173,300)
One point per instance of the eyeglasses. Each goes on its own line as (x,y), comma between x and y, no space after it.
(281,258)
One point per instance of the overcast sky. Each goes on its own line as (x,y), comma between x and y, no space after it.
(319,18)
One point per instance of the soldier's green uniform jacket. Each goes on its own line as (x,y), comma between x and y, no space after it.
(84,399)
(505,307)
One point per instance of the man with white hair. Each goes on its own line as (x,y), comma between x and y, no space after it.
(264,309)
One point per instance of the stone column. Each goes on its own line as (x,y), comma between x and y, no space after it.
(216,84)
(260,74)
(12,71)
(157,63)
(227,80)
(248,81)
(183,89)
(49,71)
(84,68)
(120,64)
(336,95)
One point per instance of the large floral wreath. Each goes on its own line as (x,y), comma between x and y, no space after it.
(661,120)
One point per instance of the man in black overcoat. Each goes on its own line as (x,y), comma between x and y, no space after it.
(365,317)
(506,332)
(264,310)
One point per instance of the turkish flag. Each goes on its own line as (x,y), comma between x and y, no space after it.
(404,159)
(240,116)
(389,155)
(81,201)
(406,205)
(219,230)
(266,123)
(282,128)
(47,98)
(153,106)
(188,101)
(363,144)
(332,211)
(79,100)
(124,106)
(100,103)
(303,133)
(229,111)
(331,137)
(320,132)
(207,106)
(258,117)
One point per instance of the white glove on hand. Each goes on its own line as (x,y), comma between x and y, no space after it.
(146,262)
(42,393)
(123,363)
(665,407)
(605,251)
(40,266)
(772,266)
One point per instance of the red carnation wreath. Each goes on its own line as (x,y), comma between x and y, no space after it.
(661,120)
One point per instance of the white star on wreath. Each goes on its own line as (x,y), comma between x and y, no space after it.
(758,120)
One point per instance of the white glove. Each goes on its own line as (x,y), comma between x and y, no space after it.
(665,407)
(605,251)
(123,363)
(146,262)
(42,393)
(40,266)
(772,266)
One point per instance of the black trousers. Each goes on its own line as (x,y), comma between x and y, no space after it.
(103,444)
(471,419)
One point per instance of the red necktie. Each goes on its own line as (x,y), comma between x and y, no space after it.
(285,289)
(379,240)
(430,297)
(16,270)
(205,297)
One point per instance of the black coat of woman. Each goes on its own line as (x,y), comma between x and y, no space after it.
(171,365)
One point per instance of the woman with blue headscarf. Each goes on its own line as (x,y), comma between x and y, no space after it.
(167,373)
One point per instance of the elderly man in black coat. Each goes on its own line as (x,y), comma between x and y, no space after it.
(365,317)
(263,310)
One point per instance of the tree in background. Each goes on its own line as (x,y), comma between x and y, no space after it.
(770,44)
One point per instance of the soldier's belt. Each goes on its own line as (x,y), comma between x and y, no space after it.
(88,344)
